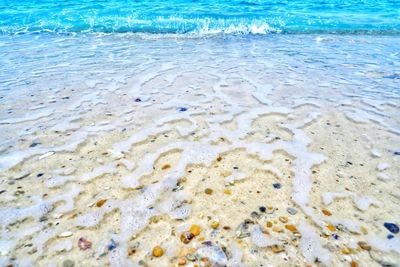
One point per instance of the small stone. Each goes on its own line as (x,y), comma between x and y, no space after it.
(354,264)
(389,236)
(181,261)
(364,245)
(262,209)
(291,211)
(214,224)
(131,251)
(195,230)
(208,191)
(254,215)
(227,192)
(181,109)
(112,245)
(65,234)
(138,100)
(68,263)
(277,185)
(277,229)
(345,250)
(277,248)
(393,228)
(269,224)
(326,212)
(158,251)
(166,166)
(186,237)
(283,219)
(101,202)
(84,244)
(291,227)
(331,228)
(219,158)
(364,230)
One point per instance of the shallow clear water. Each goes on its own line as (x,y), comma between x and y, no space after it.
(93,103)
(201,16)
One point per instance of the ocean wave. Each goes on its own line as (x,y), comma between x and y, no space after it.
(255,17)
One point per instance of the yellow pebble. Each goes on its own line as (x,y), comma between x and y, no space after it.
(277,229)
(283,219)
(201,238)
(214,224)
(195,229)
(277,248)
(227,192)
(158,251)
(331,228)
(291,227)
(345,250)
(354,264)
(269,224)
(364,230)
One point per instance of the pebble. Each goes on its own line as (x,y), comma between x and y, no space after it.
(331,228)
(354,264)
(166,166)
(101,202)
(364,245)
(84,244)
(181,261)
(214,224)
(158,251)
(112,245)
(65,234)
(291,227)
(227,192)
(269,224)
(283,219)
(68,263)
(208,191)
(195,230)
(393,228)
(326,212)
(277,185)
(389,236)
(277,248)
(291,211)
(277,229)
(186,237)
(182,109)
(262,209)
(254,215)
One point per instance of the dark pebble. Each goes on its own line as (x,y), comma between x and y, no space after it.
(393,228)
(397,153)
(40,174)
(262,209)
(335,236)
(112,245)
(255,215)
(34,144)
(389,236)
(277,185)
(138,100)
(182,109)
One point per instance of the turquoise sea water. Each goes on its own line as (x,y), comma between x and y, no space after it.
(201,16)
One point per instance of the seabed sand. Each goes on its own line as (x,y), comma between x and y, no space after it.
(177,133)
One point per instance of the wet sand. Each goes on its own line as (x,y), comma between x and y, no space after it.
(264,152)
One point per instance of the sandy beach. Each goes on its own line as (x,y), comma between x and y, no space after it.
(273,151)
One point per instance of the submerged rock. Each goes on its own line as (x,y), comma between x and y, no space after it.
(393,228)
